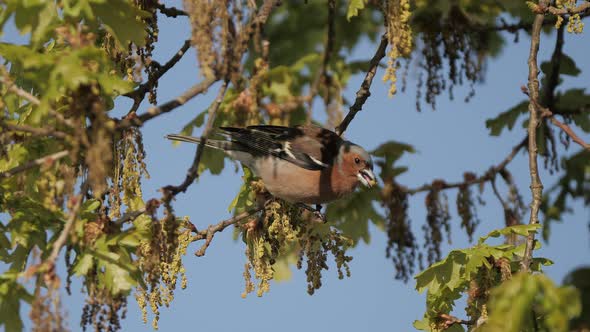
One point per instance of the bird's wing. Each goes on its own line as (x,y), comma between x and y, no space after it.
(309,147)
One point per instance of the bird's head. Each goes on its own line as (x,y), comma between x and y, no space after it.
(356,162)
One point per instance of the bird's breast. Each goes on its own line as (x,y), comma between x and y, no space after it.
(298,185)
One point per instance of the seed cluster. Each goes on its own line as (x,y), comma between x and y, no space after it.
(283,230)
(437,221)
(574,23)
(160,260)
(399,33)
(402,246)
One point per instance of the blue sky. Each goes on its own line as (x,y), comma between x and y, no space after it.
(449,141)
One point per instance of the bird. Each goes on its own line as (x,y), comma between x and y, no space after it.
(304,164)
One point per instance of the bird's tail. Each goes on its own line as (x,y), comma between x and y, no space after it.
(212,143)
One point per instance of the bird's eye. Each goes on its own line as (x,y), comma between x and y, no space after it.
(357,160)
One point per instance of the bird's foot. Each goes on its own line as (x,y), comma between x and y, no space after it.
(317,212)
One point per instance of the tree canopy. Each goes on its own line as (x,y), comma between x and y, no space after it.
(72,158)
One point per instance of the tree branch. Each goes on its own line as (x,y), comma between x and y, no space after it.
(363,93)
(49,263)
(18,91)
(170,11)
(533,87)
(4,79)
(488,176)
(208,234)
(133,120)
(520,25)
(43,160)
(34,130)
(129,216)
(549,91)
(139,93)
(566,129)
(193,171)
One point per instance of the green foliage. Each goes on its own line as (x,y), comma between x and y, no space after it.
(291,43)
(572,185)
(11,295)
(531,302)
(447,280)
(567,66)
(387,154)
(246,197)
(580,279)
(352,214)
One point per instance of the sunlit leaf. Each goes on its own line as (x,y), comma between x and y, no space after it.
(506,119)
(354,6)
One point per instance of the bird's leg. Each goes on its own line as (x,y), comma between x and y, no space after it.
(316,212)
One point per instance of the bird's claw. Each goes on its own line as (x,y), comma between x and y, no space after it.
(317,212)
(320,216)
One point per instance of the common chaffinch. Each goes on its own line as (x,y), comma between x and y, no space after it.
(302,164)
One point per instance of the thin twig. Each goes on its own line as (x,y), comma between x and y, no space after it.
(40,161)
(322,75)
(363,93)
(168,106)
(49,263)
(139,93)
(34,130)
(566,129)
(488,176)
(520,25)
(208,234)
(18,91)
(448,320)
(170,11)
(498,196)
(129,216)
(533,87)
(549,91)
(193,171)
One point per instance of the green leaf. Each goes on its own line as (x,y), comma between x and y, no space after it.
(11,295)
(194,123)
(538,262)
(580,279)
(245,197)
(118,271)
(352,214)
(122,19)
(82,264)
(523,230)
(506,119)
(354,6)
(422,325)
(212,160)
(387,154)
(567,66)
(511,304)
(90,205)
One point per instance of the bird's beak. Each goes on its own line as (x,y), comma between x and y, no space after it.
(367,177)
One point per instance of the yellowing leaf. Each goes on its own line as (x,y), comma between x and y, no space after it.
(354,7)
